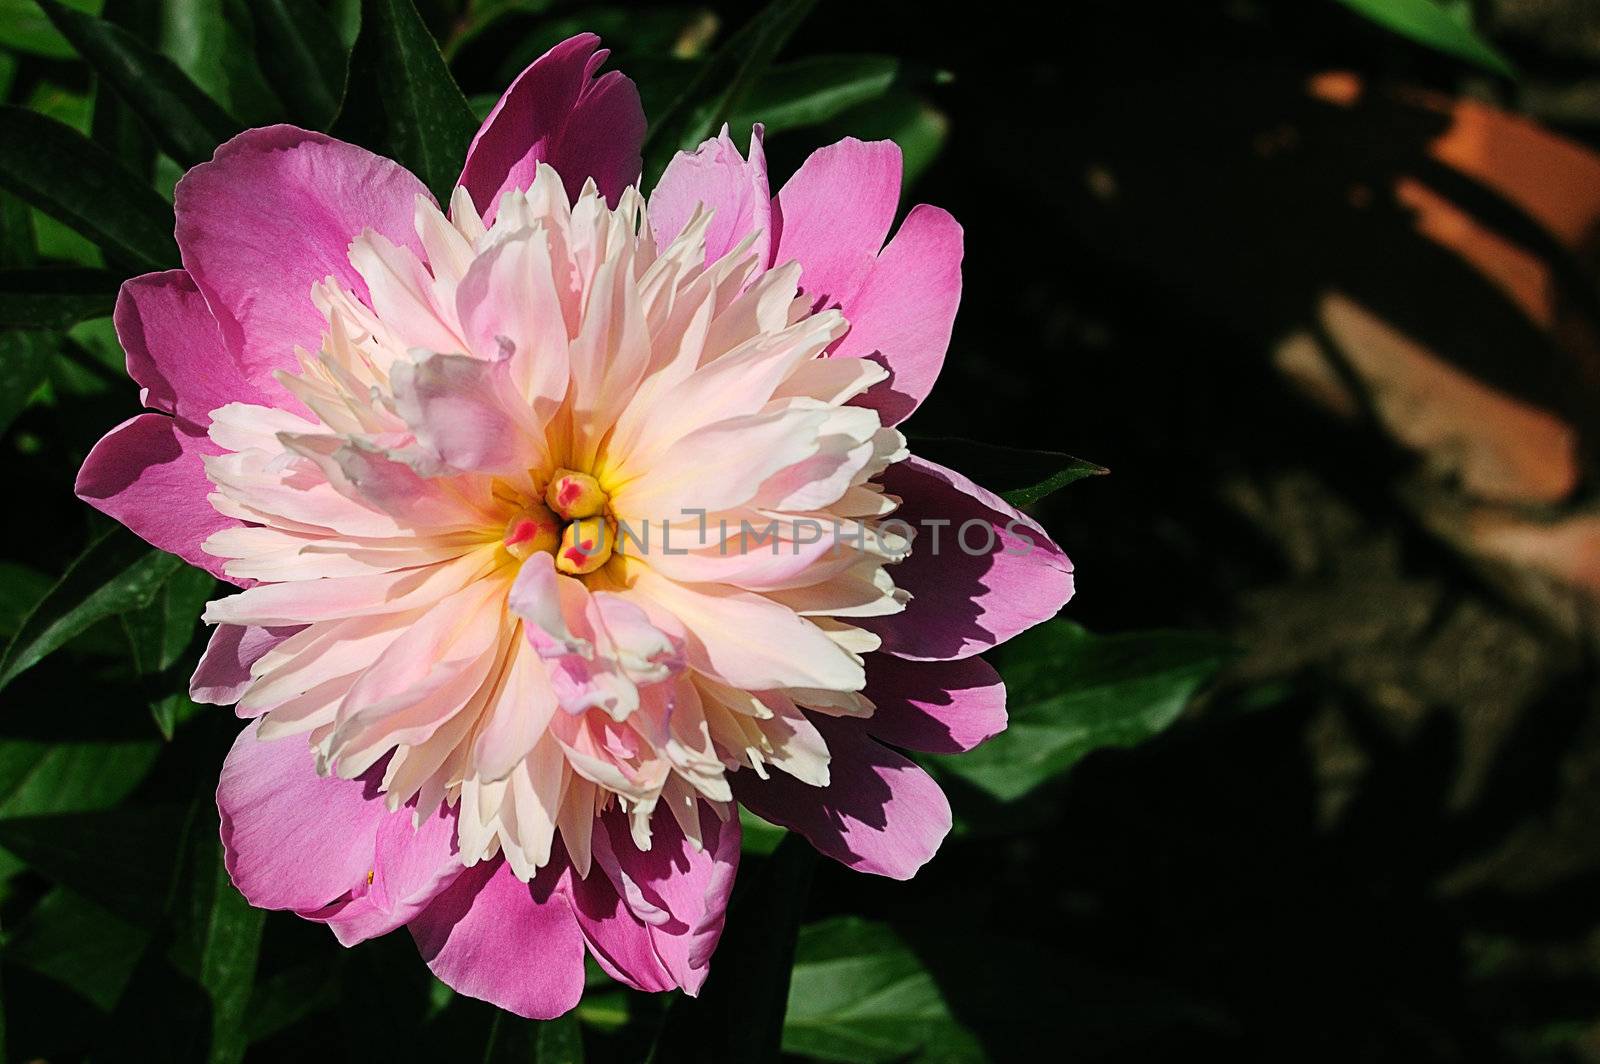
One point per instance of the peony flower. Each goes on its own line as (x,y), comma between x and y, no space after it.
(565,523)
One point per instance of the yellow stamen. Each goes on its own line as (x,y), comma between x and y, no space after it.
(573,495)
(585,546)
(530,530)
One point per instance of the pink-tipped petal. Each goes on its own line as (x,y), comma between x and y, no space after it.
(272,214)
(175,351)
(833,215)
(938,707)
(905,310)
(513,944)
(224,670)
(734,188)
(879,813)
(559,112)
(293,839)
(691,886)
(147,474)
(979,571)
(411,865)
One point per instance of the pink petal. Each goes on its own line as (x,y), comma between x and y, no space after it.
(619,941)
(466,412)
(879,813)
(833,215)
(410,867)
(175,351)
(735,189)
(979,570)
(905,310)
(224,670)
(294,839)
(940,707)
(147,474)
(513,944)
(559,113)
(690,886)
(271,215)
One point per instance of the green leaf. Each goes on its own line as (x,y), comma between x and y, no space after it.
(810,91)
(72,179)
(400,99)
(24,27)
(212,42)
(1070,692)
(159,633)
(121,858)
(860,995)
(55,298)
(24,366)
(217,935)
(757,836)
(115,573)
(20,588)
(186,123)
(80,944)
(1019,476)
(1430,24)
(723,84)
(300,53)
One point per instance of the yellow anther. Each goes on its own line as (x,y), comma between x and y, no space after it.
(530,530)
(573,495)
(585,546)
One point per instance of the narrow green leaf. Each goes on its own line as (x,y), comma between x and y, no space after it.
(810,91)
(400,99)
(121,858)
(186,123)
(115,574)
(212,41)
(298,48)
(24,366)
(161,632)
(1070,692)
(55,298)
(860,995)
(1017,475)
(24,27)
(80,944)
(558,1041)
(723,84)
(1430,24)
(76,181)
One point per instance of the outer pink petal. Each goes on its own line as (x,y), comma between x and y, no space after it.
(690,887)
(175,351)
(619,941)
(735,189)
(410,867)
(879,813)
(224,670)
(833,215)
(294,839)
(905,310)
(559,113)
(513,944)
(979,571)
(272,214)
(940,707)
(147,474)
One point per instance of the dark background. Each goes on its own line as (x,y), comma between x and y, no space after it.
(1373,837)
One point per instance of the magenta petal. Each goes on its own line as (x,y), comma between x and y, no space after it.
(833,214)
(735,189)
(272,214)
(682,892)
(224,670)
(147,473)
(559,112)
(879,813)
(905,310)
(938,707)
(979,571)
(513,944)
(294,839)
(619,940)
(410,867)
(175,351)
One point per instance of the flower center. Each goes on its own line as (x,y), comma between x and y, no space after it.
(575,526)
